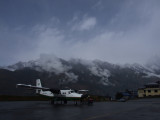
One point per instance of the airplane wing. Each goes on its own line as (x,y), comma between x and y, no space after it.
(32,87)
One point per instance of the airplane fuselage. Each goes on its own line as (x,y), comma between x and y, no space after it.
(68,94)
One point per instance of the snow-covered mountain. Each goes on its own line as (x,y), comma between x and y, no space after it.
(98,76)
(97,68)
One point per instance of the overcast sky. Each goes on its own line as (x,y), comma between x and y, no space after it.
(117,31)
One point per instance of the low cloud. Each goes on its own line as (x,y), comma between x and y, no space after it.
(51,63)
(127,34)
(71,77)
(102,73)
(131,44)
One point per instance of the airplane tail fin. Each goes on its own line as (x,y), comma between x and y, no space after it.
(38,84)
(39,89)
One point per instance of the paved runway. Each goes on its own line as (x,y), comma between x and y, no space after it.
(144,109)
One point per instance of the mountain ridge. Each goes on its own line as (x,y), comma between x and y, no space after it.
(98,76)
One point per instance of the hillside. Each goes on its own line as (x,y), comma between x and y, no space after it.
(101,78)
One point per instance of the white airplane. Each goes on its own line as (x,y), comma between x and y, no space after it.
(57,94)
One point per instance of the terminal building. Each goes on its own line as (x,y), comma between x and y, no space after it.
(150,90)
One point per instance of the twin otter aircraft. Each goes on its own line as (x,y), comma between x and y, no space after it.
(57,94)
